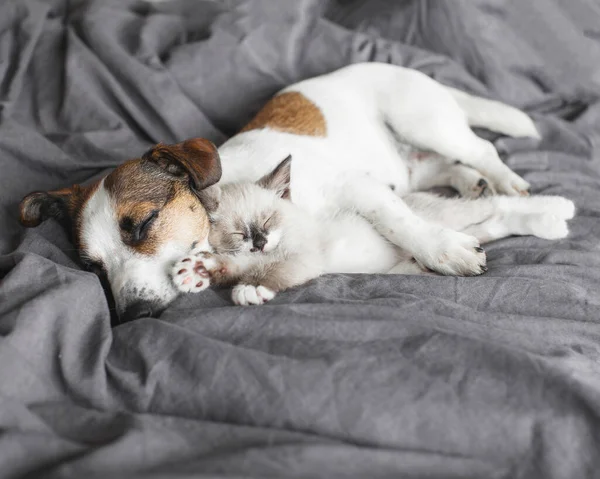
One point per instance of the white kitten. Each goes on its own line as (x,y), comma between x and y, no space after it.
(259,238)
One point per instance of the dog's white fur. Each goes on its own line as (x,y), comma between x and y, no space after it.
(354,165)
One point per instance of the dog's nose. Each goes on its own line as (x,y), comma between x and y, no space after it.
(137,310)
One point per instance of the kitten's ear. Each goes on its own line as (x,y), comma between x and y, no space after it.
(279,179)
(210,198)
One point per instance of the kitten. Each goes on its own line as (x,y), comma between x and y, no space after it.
(261,242)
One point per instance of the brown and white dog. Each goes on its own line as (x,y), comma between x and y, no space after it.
(342,130)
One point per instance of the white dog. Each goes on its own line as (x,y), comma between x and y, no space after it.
(347,132)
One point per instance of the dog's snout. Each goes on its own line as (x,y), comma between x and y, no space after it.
(142,287)
(138,310)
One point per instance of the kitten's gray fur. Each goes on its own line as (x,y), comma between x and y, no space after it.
(260,237)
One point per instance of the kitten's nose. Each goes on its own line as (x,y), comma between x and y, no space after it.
(259,242)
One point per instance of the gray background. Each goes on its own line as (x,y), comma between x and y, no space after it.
(349,376)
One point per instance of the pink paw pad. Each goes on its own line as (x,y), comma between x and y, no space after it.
(191,278)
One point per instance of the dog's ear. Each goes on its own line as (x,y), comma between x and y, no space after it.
(198,159)
(279,179)
(42,205)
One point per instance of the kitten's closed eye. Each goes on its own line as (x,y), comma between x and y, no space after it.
(267,223)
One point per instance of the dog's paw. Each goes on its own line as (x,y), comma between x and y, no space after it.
(470,183)
(504,180)
(480,189)
(454,254)
(192,273)
(247,294)
(507,182)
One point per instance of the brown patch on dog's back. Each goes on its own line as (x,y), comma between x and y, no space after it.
(290,112)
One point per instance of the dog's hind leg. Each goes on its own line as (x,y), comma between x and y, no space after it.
(461,143)
(489,219)
(432,245)
(494,115)
(438,123)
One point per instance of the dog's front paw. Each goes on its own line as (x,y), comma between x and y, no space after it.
(454,254)
(247,294)
(192,274)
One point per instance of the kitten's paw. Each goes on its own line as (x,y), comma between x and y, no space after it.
(452,253)
(192,273)
(538,204)
(548,226)
(247,294)
(555,205)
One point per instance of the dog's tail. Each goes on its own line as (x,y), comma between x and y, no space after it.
(495,116)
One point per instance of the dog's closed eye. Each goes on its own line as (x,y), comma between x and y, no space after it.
(140,231)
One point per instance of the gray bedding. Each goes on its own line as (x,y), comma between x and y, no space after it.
(352,375)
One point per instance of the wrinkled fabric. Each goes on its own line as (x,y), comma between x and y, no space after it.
(350,375)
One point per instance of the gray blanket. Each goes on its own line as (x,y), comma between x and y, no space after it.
(350,376)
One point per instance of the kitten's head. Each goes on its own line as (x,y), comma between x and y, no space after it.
(249,218)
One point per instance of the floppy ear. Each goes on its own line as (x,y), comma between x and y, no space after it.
(279,179)
(198,159)
(41,205)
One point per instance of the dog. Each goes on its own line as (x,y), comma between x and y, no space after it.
(343,130)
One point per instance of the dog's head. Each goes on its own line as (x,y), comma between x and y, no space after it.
(134,223)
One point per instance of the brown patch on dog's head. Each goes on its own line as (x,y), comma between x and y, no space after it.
(162,195)
(154,193)
(290,112)
(64,205)
(197,160)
